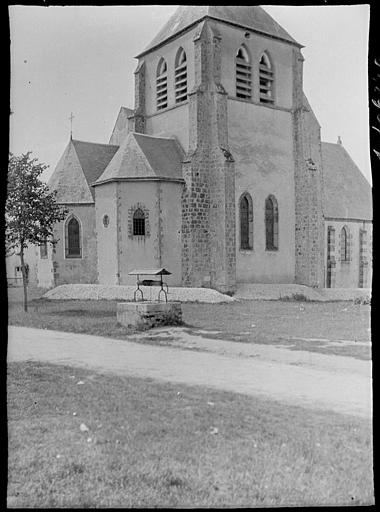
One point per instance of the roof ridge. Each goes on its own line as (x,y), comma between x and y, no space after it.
(95,143)
(153,136)
(332,143)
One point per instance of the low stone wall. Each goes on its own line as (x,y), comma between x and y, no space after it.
(146,315)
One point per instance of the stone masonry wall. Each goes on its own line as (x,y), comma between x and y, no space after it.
(356,270)
(138,120)
(309,228)
(208,200)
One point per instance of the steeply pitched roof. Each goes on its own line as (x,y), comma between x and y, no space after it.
(143,157)
(80,165)
(69,180)
(121,127)
(94,158)
(347,194)
(247,16)
(306,104)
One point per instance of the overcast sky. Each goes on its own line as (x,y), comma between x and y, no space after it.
(81,60)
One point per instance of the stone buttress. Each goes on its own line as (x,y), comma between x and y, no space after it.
(308,181)
(138,118)
(208,201)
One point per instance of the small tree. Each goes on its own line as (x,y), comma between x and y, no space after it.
(30,209)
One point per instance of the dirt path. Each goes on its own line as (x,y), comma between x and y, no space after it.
(319,381)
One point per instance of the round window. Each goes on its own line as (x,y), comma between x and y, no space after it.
(106,221)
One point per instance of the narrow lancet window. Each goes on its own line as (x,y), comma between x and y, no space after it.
(246,222)
(266,77)
(344,245)
(162,85)
(180,74)
(73,239)
(243,74)
(271,223)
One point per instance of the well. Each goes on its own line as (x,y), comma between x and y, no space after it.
(147,314)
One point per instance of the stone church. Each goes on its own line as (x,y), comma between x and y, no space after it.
(218,173)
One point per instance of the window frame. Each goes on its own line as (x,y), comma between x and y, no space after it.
(272,244)
(266,74)
(180,76)
(162,85)
(66,238)
(345,256)
(138,223)
(243,66)
(247,244)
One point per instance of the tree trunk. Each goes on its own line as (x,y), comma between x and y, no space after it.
(24,283)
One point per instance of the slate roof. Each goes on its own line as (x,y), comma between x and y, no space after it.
(94,158)
(143,157)
(306,104)
(247,16)
(347,193)
(120,130)
(79,166)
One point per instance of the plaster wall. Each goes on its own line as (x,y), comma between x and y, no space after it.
(106,204)
(45,268)
(261,143)
(76,270)
(171,231)
(173,122)
(162,247)
(347,272)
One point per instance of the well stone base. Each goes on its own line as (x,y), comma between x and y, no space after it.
(148,314)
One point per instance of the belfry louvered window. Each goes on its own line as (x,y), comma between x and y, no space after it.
(180,74)
(271,223)
(266,78)
(243,74)
(162,85)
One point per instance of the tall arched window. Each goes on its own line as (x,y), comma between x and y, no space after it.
(180,74)
(73,247)
(344,245)
(246,222)
(266,78)
(271,223)
(139,223)
(162,85)
(243,74)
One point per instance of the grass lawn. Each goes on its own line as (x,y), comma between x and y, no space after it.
(278,322)
(282,322)
(151,444)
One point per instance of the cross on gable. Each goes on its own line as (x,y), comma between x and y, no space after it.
(71,125)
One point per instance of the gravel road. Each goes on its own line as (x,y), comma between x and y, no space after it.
(335,383)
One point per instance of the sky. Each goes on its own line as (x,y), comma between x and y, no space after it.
(81,60)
